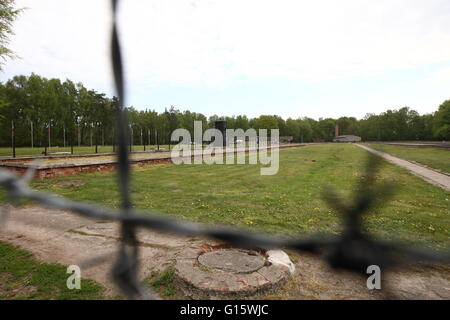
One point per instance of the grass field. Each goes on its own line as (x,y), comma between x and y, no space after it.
(431,157)
(289,202)
(37,151)
(22,277)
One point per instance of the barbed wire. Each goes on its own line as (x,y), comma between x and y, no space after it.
(353,250)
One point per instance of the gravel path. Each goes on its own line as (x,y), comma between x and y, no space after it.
(429,175)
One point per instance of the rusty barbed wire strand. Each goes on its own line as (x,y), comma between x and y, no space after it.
(126,268)
(354,250)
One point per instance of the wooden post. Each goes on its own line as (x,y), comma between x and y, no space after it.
(143,139)
(47,146)
(169,141)
(32,142)
(13,142)
(79,135)
(113,140)
(96,138)
(71,132)
(49,134)
(131,138)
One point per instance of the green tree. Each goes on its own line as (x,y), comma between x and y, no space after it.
(242,123)
(325,129)
(442,121)
(293,129)
(306,129)
(266,122)
(72,111)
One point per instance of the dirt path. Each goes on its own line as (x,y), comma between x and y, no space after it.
(62,237)
(429,175)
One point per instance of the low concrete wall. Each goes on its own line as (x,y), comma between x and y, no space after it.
(73,169)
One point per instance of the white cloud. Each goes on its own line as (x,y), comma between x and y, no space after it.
(218,43)
(442,76)
(214,42)
(64,39)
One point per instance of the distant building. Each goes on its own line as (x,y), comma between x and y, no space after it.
(347,138)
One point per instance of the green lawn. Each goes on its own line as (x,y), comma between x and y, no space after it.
(431,157)
(37,151)
(23,278)
(289,202)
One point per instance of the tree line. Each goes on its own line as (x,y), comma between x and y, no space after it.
(50,112)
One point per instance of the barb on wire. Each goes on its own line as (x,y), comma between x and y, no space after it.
(5,209)
(356,250)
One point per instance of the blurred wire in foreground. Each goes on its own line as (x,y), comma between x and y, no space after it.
(354,250)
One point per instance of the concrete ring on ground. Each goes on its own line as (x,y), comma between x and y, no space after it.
(231,271)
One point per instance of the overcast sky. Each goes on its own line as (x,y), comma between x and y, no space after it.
(291,58)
